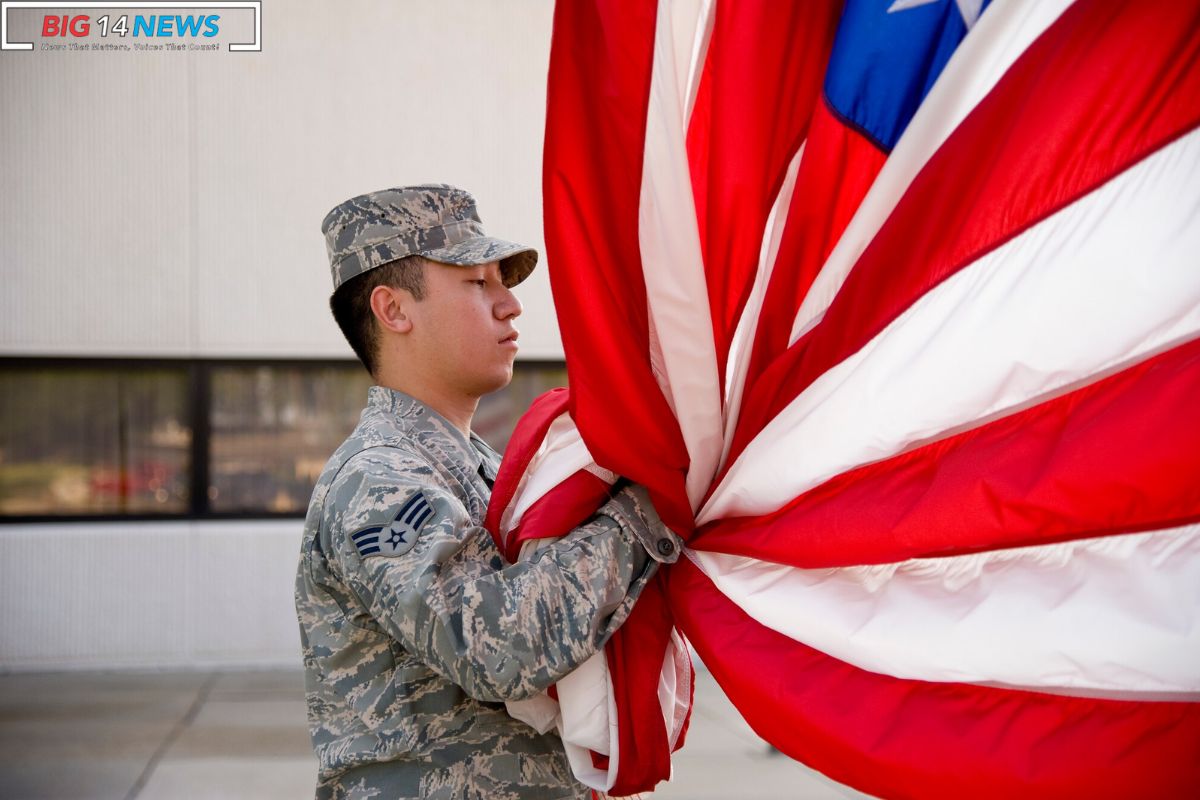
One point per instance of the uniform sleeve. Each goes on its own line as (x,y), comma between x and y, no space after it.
(436,584)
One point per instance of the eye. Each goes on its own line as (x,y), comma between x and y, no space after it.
(480,282)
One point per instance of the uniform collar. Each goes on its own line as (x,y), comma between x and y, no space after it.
(415,417)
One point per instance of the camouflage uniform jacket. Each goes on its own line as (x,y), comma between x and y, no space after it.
(414,630)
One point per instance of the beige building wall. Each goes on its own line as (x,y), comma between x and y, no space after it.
(167,204)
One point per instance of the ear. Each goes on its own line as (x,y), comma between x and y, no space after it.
(392,308)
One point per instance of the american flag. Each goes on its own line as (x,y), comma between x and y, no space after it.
(894,306)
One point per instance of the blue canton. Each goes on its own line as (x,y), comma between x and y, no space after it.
(887,55)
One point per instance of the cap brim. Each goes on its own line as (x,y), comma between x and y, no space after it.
(516,260)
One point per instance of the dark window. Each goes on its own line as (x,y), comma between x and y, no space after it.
(83,440)
(272,428)
(101,439)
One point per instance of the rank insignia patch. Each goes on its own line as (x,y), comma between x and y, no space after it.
(399,537)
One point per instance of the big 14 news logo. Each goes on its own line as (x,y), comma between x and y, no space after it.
(149,25)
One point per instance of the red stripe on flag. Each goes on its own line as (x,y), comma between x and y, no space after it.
(635,652)
(600,67)
(913,739)
(567,506)
(761,80)
(635,662)
(526,438)
(1116,456)
(838,167)
(1104,86)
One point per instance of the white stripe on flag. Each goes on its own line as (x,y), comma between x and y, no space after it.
(561,455)
(1114,614)
(1099,285)
(589,722)
(676,289)
(742,343)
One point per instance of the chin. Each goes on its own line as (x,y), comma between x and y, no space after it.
(495,382)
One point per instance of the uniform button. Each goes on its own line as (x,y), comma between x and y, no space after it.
(666,547)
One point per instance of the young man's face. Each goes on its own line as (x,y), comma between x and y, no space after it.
(464,329)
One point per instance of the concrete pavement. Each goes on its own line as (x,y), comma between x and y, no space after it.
(238,735)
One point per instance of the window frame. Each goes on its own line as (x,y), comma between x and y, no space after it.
(198,374)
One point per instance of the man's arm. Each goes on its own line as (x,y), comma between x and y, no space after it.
(414,558)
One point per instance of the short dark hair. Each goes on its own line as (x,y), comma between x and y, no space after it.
(351,303)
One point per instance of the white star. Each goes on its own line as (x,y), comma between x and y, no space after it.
(970,9)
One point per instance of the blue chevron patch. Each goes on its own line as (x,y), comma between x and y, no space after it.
(398,537)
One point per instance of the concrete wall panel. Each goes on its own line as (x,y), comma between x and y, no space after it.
(167,204)
(169,594)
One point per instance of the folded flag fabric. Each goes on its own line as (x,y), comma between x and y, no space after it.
(623,712)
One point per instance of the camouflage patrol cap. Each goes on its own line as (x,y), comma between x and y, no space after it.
(433,220)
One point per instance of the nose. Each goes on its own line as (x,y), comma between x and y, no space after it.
(508,306)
